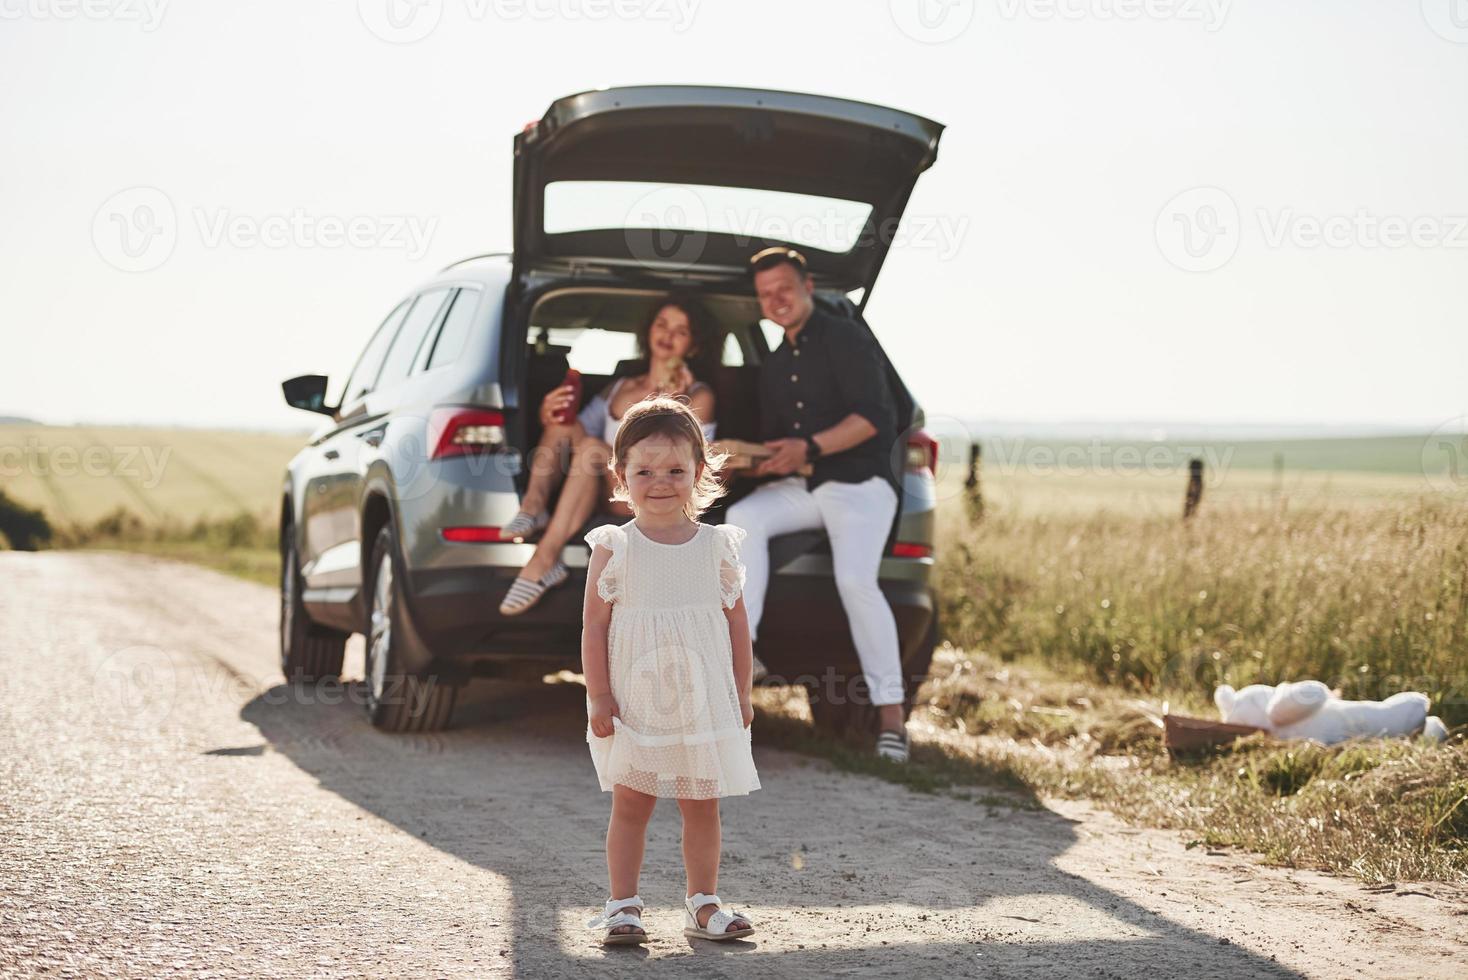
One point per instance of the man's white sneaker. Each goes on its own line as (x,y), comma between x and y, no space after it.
(892,746)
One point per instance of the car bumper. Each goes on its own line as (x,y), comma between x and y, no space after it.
(804,627)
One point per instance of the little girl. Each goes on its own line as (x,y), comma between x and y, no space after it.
(666,652)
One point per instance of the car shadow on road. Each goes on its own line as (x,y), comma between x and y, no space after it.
(958,886)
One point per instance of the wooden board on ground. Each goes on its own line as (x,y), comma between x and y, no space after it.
(1181,733)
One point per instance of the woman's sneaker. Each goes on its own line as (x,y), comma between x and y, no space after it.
(523,525)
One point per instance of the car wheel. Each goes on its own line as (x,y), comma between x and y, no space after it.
(397,700)
(308,652)
(851,714)
(827,716)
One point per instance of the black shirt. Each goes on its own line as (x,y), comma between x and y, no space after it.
(833,369)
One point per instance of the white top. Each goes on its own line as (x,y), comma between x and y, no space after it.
(596,415)
(679,732)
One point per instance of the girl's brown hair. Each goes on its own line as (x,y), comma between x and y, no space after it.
(670,416)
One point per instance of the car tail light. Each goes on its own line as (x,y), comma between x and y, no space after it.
(922,457)
(459,431)
(476,535)
(922,453)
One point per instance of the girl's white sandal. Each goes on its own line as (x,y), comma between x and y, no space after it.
(718,923)
(615,913)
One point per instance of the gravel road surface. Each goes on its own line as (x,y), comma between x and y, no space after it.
(170,807)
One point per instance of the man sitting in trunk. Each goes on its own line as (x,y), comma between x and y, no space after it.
(824,399)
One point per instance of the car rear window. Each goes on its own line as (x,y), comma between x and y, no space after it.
(827,223)
(592,350)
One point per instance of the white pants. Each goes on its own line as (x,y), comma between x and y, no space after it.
(856,517)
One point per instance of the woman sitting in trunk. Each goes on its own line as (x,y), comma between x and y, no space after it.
(676,334)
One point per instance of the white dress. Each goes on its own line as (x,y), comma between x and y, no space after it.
(671,665)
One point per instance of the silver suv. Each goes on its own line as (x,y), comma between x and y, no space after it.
(390,517)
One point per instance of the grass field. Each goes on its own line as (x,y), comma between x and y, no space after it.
(79,474)
(1075,603)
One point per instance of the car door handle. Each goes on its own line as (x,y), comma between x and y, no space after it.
(331,454)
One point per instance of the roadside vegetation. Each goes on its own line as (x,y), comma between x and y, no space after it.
(1370,600)
(1011,734)
(1069,635)
(244,545)
(1074,610)
(22,528)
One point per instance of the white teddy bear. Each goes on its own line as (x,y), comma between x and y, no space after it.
(1308,709)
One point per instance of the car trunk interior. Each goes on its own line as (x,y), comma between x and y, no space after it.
(593,329)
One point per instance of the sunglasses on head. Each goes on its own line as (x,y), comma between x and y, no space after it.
(767,256)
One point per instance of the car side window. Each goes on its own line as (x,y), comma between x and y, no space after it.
(364,375)
(404,350)
(455,330)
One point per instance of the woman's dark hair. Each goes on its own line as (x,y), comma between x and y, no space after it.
(701,327)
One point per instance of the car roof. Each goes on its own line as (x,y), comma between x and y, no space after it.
(490,269)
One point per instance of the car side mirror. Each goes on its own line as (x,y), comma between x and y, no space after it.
(308,393)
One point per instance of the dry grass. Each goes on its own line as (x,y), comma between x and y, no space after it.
(79,474)
(1381,810)
(1071,631)
(1369,600)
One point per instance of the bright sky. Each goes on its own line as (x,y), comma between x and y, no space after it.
(1194,210)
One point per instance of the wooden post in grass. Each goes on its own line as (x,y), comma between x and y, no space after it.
(973,493)
(1195,488)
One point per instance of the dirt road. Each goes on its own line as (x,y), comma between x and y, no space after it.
(171,808)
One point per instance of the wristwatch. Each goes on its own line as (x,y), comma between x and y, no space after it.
(812,448)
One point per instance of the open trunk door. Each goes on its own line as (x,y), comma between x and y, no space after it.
(686,182)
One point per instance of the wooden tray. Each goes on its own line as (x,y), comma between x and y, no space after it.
(1181,733)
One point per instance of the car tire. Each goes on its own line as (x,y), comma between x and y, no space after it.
(854,716)
(397,700)
(308,652)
